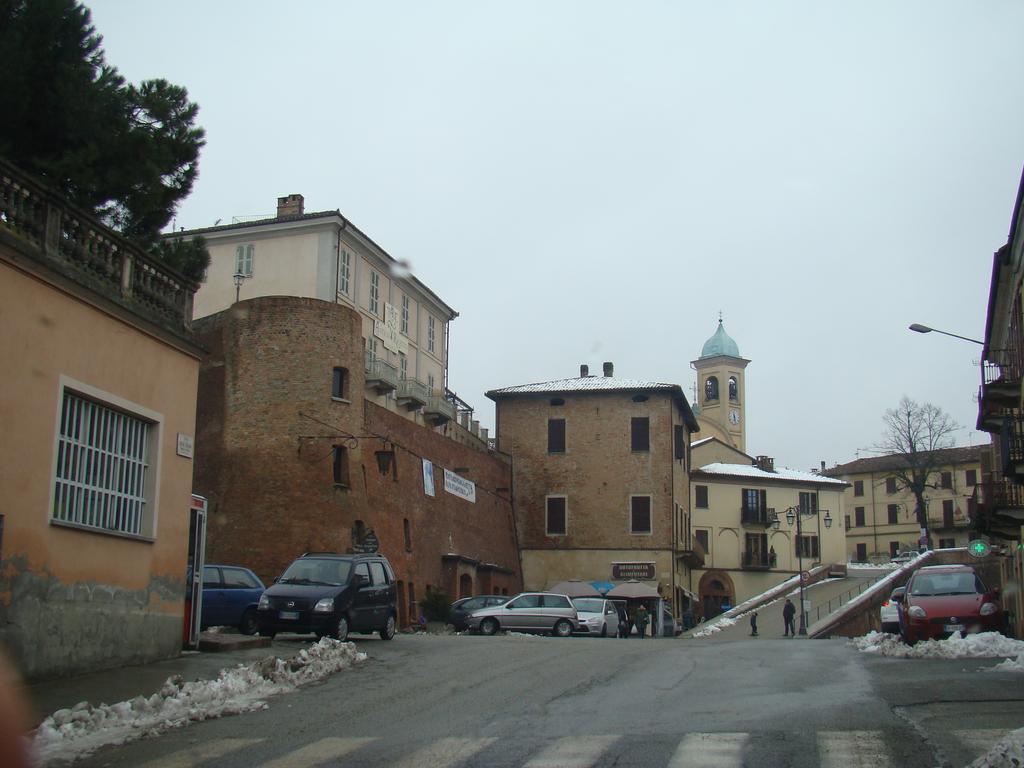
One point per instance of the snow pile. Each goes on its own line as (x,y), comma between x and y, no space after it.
(1007,753)
(980,646)
(1010,665)
(81,730)
(871,566)
(717,626)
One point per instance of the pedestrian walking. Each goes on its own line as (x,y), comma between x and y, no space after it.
(623,622)
(641,621)
(788,612)
(753,624)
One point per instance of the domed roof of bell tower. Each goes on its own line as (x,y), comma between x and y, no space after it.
(720,344)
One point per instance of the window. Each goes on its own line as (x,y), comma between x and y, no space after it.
(556,523)
(947,543)
(404,326)
(947,513)
(734,390)
(640,433)
(374,292)
(894,548)
(701,535)
(858,517)
(430,382)
(211,577)
(371,346)
(243,260)
(377,573)
(946,480)
(890,485)
(862,553)
(972,477)
(363,569)
(408,534)
(555,601)
(556,401)
(639,514)
(893,510)
(711,388)
(808,502)
(858,487)
(104,478)
(236,578)
(556,435)
(679,441)
(344,271)
(526,601)
(431,333)
(639,398)
(807,546)
(754,500)
(339,384)
(340,466)
(403,366)
(701,496)
(847,522)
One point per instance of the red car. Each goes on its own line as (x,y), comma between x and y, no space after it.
(943,599)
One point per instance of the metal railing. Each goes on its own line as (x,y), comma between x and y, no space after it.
(756,516)
(440,407)
(837,602)
(380,372)
(412,389)
(755,559)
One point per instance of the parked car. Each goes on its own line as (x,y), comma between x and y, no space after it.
(890,611)
(461,609)
(597,616)
(529,612)
(904,556)
(230,596)
(331,595)
(943,599)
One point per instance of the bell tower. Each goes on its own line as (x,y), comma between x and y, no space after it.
(721,391)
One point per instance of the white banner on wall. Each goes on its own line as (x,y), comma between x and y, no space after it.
(428,477)
(460,486)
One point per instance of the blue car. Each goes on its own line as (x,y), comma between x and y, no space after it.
(230,596)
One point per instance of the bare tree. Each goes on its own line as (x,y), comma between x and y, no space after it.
(914,432)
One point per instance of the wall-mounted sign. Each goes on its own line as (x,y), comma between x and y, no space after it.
(387,331)
(368,545)
(638,571)
(428,477)
(185,446)
(460,486)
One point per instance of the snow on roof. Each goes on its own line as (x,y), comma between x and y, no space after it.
(701,442)
(586,384)
(780,473)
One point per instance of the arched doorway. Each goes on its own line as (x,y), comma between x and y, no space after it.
(716,590)
(465,585)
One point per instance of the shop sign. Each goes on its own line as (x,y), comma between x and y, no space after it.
(638,571)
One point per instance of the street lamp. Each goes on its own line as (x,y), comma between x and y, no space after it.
(918,328)
(238,277)
(797,513)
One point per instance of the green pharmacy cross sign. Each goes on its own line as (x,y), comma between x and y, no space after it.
(979,548)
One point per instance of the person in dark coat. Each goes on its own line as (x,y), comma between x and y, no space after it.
(623,622)
(641,620)
(753,624)
(788,612)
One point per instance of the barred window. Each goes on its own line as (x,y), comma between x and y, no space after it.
(102,464)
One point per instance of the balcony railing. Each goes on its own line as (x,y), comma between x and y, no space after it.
(756,516)
(380,374)
(755,560)
(49,230)
(412,394)
(439,410)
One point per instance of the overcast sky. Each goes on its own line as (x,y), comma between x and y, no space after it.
(592,181)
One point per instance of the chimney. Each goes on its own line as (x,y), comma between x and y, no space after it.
(823,466)
(464,420)
(765,463)
(584,371)
(292,205)
(475,429)
(483,434)
(609,369)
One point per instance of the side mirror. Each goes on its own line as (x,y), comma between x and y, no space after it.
(897,597)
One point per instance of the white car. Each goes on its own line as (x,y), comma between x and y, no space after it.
(598,616)
(890,613)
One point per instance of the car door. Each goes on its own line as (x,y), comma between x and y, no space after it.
(213,597)
(381,604)
(521,613)
(241,590)
(554,608)
(362,599)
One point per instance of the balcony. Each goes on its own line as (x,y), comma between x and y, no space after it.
(381,376)
(412,394)
(756,516)
(754,560)
(1011,447)
(439,410)
(692,554)
(998,508)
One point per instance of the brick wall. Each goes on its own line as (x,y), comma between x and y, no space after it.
(267,427)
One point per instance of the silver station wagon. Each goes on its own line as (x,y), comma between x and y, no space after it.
(528,612)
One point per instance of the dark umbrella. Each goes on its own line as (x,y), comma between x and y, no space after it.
(634,589)
(575,588)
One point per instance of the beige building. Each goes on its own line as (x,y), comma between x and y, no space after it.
(880,516)
(721,390)
(324,256)
(600,479)
(753,525)
(98,405)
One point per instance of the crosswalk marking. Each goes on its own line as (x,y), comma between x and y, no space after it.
(187,758)
(318,752)
(445,752)
(709,750)
(573,752)
(852,749)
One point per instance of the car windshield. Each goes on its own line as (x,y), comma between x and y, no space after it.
(321,571)
(932,584)
(588,604)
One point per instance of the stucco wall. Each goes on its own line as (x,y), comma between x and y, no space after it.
(73,599)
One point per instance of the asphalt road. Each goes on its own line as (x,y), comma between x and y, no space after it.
(515,701)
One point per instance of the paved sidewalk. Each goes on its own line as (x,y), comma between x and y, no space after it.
(112,685)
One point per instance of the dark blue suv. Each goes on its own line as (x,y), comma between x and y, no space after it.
(331,595)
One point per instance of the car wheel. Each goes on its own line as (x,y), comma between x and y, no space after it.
(389,629)
(341,629)
(488,627)
(562,628)
(248,624)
